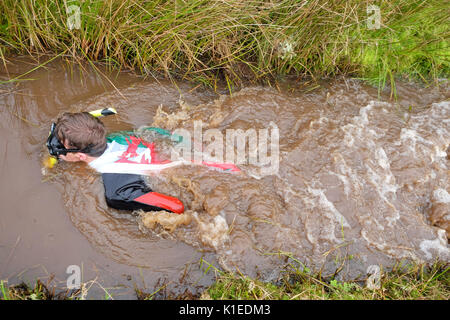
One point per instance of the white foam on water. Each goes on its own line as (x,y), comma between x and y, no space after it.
(368,234)
(387,183)
(428,132)
(359,127)
(441,195)
(344,181)
(320,224)
(387,192)
(439,153)
(363,117)
(384,183)
(383,160)
(214,233)
(349,140)
(373,281)
(411,137)
(329,207)
(346,175)
(439,245)
(321,120)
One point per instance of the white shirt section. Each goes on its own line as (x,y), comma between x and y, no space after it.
(107,162)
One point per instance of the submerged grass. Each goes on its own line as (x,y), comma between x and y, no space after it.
(236,40)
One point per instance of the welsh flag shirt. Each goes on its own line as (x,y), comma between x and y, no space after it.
(126,153)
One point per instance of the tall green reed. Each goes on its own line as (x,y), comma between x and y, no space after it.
(236,40)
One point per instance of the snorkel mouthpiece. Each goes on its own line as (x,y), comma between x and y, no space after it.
(50,162)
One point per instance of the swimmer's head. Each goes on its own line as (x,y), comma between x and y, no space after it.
(77,137)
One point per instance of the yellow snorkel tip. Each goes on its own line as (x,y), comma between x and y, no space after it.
(103,112)
(50,162)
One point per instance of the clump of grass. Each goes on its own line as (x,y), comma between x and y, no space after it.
(402,282)
(49,291)
(234,40)
(23,291)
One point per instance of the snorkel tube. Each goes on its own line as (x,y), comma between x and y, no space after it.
(103,112)
(56,148)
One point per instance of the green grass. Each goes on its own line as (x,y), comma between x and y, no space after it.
(410,282)
(236,40)
(24,291)
(49,291)
(401,282)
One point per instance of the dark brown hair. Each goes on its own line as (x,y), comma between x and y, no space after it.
(82,130)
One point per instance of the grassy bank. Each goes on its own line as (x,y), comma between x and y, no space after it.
(410,282)
(234,40)
(402,282)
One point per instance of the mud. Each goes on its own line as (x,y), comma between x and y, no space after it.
(362,179)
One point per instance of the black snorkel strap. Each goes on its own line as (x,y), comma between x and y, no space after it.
(56,148)
(93,151)
(89,150)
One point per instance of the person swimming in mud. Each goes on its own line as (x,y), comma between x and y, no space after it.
(120,158)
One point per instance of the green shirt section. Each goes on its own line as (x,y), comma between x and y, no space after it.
(120,137)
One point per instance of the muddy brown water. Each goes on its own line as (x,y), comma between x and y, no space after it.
(362,180)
